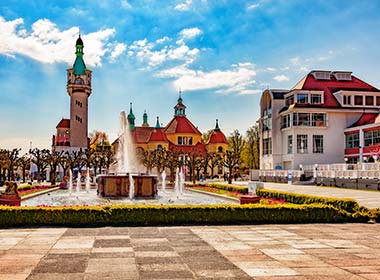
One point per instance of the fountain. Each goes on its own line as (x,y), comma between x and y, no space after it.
(163,177)
(127,182)
(78,182)
(88,180)
(70,181)
(177,183)
(181,182)
(131,187)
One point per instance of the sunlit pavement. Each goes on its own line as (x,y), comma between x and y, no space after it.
(311,251)
(370,199)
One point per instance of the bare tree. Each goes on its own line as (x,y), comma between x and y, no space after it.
(40,159)
(54,160)
(24,163)
(232,156)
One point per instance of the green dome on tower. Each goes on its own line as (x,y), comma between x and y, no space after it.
(79,66)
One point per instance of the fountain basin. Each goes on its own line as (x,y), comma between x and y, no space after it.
(118,185)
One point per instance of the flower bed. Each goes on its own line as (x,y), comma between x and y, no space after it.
(34,189)
(174,215)
(349,205)
(231,188)
(217,191)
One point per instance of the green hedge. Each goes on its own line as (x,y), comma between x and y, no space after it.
(173,215)
(349,205)
(231,188)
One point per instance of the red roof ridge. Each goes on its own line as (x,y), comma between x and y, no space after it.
(64,123)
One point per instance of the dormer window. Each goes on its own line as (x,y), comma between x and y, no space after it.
(347,99)
(358,100)
(369,100)
(342,76)
(302,98)
(316,99)
(290,100)
(321,75)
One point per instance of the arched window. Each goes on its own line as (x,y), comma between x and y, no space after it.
(159,147)
(220,149)
(79,81)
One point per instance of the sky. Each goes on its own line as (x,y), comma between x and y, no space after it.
(221,54)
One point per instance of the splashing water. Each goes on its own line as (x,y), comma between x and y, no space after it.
(78,182)
(126,157)
(177,183)
(70,181)
(131,187)
(88,180)
(181,182)
(163,177)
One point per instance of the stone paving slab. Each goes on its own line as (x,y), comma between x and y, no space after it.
(270,252)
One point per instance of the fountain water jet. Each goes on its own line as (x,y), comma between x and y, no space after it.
(70,181)
(127,181)
(131,187)
(88,180)
(163,177)
(177,183)
(78,187)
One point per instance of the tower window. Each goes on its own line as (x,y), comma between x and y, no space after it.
(220,149)
(179,140)
(79,81)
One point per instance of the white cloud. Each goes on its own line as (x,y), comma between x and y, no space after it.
(238,79)
(47,44)
(271,69)
(253,6)
(189,33)
(125,4)
(148,52)
(119,49)
(185,6)
(281,78)
(162,40)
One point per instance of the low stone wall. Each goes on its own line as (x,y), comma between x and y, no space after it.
(350,183)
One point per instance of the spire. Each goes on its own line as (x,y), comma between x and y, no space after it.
(158,122)
(131,118)
(217,126)
(179,96)
(145,119)
(179,109)
(79,66)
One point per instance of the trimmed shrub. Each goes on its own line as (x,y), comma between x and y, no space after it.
(172,215)
(231,188)
(349,205)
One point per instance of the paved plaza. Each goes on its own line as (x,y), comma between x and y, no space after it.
(311,251)
(370,199)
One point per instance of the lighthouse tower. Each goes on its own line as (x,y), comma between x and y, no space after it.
(79,89)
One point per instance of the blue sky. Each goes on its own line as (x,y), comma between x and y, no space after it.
(221,53)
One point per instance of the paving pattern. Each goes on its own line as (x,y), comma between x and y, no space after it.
(312,251)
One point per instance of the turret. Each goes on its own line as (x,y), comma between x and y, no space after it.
(131,118)
(145,120)
(180,108)
(158,122)
(79,66)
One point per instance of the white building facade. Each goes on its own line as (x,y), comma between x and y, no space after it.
(309,124)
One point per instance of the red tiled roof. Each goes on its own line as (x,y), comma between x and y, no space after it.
(217,136)
(158,135)
(365,118)
(199,148)
(180,124)
(142,134)
(64,123)
(331,86)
